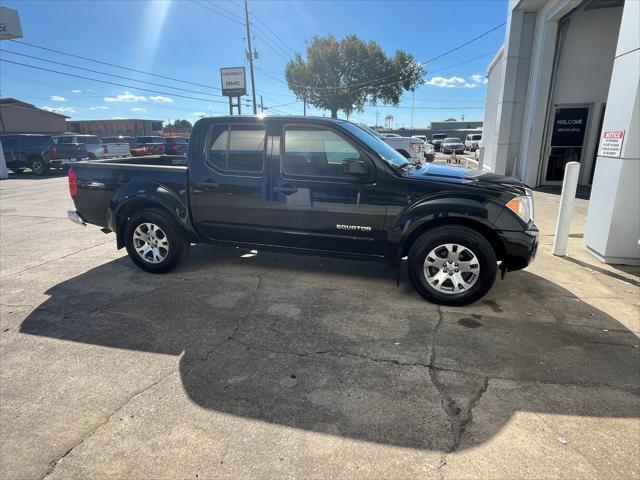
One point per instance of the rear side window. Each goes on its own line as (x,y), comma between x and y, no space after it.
(63,140)
(37,140)
(317,152)
(237,148)
(90,140)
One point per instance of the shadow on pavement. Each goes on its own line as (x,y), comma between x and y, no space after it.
(333,346)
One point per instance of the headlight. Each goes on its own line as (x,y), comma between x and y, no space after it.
(428,148)
(416,147)
(522,206)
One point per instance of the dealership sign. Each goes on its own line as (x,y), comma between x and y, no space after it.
(611,144)
(9,24)
(234,83)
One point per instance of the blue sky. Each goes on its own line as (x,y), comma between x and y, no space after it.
(190,40)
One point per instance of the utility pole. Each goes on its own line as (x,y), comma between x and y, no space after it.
(413,100)
(377,117)
(261,105)
(304,103)
(253,83)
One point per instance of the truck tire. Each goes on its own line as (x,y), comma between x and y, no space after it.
(154,242)
(452,265)
(38,166)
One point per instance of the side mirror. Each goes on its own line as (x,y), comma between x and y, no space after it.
(355,167)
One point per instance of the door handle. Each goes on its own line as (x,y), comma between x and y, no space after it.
(285,190)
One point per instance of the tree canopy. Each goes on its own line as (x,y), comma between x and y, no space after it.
(346,75)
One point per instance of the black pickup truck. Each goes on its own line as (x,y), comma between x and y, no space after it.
(312,185)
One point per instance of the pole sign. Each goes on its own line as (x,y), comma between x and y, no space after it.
(9,24)
(234,83)
(611,144)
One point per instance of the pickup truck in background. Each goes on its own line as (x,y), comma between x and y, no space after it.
(429,150)
(409,147)
(119,146)
(437,139)
(37,152)
(315,186)
(68,151)
(151,145)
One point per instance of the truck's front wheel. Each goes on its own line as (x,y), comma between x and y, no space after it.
(154,242)
(452,265)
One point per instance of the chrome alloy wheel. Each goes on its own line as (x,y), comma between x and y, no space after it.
(451,268)
(150,242)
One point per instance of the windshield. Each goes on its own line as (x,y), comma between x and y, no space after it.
(476,137)
(373,141)
(438,136)
(452,140)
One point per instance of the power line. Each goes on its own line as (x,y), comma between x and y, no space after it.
(218,6)
(110,74)
(112,83)
(368,82)
(272,46)
(464,62)
(114,65)
(274,34)
(228,17)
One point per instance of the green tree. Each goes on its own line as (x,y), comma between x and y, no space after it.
(346,75)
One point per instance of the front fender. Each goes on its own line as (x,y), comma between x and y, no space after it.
(443,207)
(148,194)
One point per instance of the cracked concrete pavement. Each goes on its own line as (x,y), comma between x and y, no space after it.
(243,365)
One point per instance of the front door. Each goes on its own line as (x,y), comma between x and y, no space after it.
(566,140)
(324,195)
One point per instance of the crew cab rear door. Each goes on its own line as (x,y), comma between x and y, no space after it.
(323,191)
(229,187)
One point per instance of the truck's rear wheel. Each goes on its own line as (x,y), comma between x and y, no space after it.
(452,265)
(154,242)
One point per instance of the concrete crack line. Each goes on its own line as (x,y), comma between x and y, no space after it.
(89,434)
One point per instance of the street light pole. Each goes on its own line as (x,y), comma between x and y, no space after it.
(253,83)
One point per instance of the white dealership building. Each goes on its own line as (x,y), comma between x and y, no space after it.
(565,87)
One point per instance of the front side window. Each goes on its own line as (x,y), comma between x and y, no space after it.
(63,140)
(317,152)
(237,148)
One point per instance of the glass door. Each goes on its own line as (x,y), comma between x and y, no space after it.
(566,140)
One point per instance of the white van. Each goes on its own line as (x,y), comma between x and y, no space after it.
(472,142)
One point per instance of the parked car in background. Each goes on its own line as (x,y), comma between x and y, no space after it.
(151,145)
(410,148)
(437,139)
(37,152)
(92,143)
(452,145)
(175,146)
(68,150)
(428,148)
(472,142)
(121,146)
(250,181)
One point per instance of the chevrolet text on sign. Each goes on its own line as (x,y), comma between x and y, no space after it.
(611,144)
(233,81)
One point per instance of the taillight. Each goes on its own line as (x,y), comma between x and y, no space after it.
(105,149)
(54,151)
(73,182)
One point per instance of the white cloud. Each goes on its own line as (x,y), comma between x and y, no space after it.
(479,78)
(99,107)
(199,114)
(57,98)
(451,82)
(161,99)
(126,97)
(138,109)
(117,118)
(76,91)
(59,109)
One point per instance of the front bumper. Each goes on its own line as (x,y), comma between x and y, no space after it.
(520,248)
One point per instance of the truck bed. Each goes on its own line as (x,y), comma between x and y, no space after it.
(100,183)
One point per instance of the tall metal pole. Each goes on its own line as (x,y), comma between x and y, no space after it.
(253,83)
(305,105)
(261,105)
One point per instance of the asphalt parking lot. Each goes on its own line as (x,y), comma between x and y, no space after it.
(257,365)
